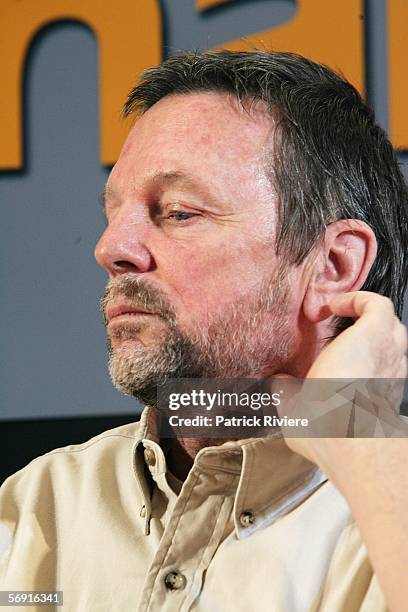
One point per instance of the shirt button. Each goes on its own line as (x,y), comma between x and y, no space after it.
(246,518)
(150,456)
(143,511)
(174,581)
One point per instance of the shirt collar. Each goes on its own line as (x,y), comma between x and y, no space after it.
(272,478)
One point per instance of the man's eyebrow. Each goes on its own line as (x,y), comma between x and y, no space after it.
(107,193)
(177,177)
(161,179)
(170,177)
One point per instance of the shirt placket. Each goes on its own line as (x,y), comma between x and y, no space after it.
(193,533)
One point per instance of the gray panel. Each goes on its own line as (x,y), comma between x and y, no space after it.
(186,28)
(53,340)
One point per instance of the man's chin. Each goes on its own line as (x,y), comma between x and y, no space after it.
(130,380)
(137,370)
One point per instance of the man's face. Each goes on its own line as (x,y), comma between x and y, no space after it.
(190,241)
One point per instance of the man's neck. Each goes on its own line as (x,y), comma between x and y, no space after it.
(180,453)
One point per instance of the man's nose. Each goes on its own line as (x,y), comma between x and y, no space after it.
(123,248)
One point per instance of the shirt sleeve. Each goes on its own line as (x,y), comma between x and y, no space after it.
(26,558)
(350,585)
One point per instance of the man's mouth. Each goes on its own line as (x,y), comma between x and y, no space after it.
(120,311)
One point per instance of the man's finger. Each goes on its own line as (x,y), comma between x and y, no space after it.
(356,303)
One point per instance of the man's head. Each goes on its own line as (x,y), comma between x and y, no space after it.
(227,217)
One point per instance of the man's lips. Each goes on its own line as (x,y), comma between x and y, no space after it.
(119,310)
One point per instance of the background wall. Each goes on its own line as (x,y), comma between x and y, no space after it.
(53,354)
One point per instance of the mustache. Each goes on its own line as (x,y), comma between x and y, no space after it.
(139,293)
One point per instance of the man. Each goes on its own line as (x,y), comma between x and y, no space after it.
(252,201)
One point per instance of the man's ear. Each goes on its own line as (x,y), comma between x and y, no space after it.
(341,263)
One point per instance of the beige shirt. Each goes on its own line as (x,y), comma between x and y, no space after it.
(255,527)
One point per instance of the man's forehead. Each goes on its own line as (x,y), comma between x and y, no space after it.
(219,114)
(176,144)
(200,132)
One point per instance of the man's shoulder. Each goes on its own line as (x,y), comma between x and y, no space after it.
(112,445)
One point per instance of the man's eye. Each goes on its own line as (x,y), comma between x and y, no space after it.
(180,216)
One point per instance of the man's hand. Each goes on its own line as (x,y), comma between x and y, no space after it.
(373,347)
(370,473)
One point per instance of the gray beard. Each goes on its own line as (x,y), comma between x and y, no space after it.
(138,371)
(240,343)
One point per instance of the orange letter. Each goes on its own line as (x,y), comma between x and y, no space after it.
(129,38)
(398,67)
